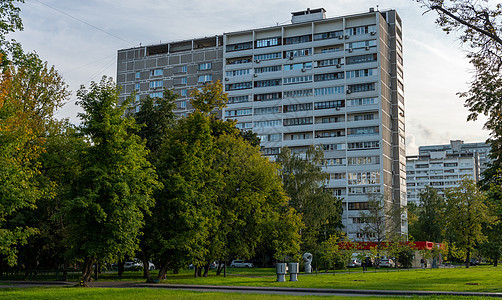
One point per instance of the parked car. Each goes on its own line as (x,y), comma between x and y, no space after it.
(354,263)
(474,262)
(387,263)
(136,264)
(240,264)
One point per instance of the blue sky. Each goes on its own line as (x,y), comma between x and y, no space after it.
(83,51)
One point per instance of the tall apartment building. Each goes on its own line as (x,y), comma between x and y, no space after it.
(181,66)
(332,82)
(444,166)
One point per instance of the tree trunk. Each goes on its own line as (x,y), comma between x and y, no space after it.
(468,259)
(65,270)
(206,269)
(163,270)
(199,271)
(495,262)
(96,271)
(196,271)
(86,271)
(219,269)
(146,267)
(121,267)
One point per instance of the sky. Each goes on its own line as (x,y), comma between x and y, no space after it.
(81,39)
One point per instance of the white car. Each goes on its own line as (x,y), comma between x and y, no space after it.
(387,263)
(354,263)
(240,264)
(137,264)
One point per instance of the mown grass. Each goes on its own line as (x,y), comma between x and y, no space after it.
(474,279)
(147,294)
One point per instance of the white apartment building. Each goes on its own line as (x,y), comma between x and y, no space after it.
(444,166)
(332,82)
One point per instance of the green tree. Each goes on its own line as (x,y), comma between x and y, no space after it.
(428,226)
(156,118)
(304,182)
(30,94)
(113,191)
(465,213)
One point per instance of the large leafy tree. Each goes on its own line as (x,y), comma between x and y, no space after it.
(464,215)
(30,94)
(304,182)
(428,226)
(220,197)
(113,191)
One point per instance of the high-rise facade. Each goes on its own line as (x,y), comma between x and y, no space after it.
(444,166)
(332,82)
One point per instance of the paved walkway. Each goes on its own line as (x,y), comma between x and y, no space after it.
(245,289)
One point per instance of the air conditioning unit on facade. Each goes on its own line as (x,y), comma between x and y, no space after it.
(303,70)
(347,37)
(255,75)
(373,33)
(367,48)
(350,50)
(349,91)
(338,65)
(227,79)
(291,58)
(257,61)
(340,37)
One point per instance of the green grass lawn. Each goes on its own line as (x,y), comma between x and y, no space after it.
(147,294)
(474,279)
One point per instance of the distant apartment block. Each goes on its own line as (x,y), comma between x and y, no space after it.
(332,82)
(444,166)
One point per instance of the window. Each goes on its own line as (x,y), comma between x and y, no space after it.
(362,87)
(364,117)
(269,42)
(205,66)
(298,39)
(138,75)
(360,30)
(363,190)
(331,119)
(362,101)
(205,78)
(137,86)
(270,137)
(328,76)
(239,46)
(156,84)
(238,86)
(364,160)
(156,72)
(299,66)
(183,93)
(183,104)
(156,95)
(267,56)
(136,98)
(267,83)
(240,72)
(363,130)
(363,145)
(329,104)
(329,62)
(239,112)
(183,80)
(361,59)
(271,123)
(298,79)
(238,99)
(184,69)
(358,206)
(267,69)
(328,35)
(333,147)
(298,93)
(246,125)
(239,60)
(299,136)
(334,162)
(329,134)
(329,91)
(298,52)
(361,73)
(270,151)
(267,110)
(360,45)
(267,97)
(298,121)
(297,107)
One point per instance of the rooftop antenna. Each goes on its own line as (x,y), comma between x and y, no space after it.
(377,7)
